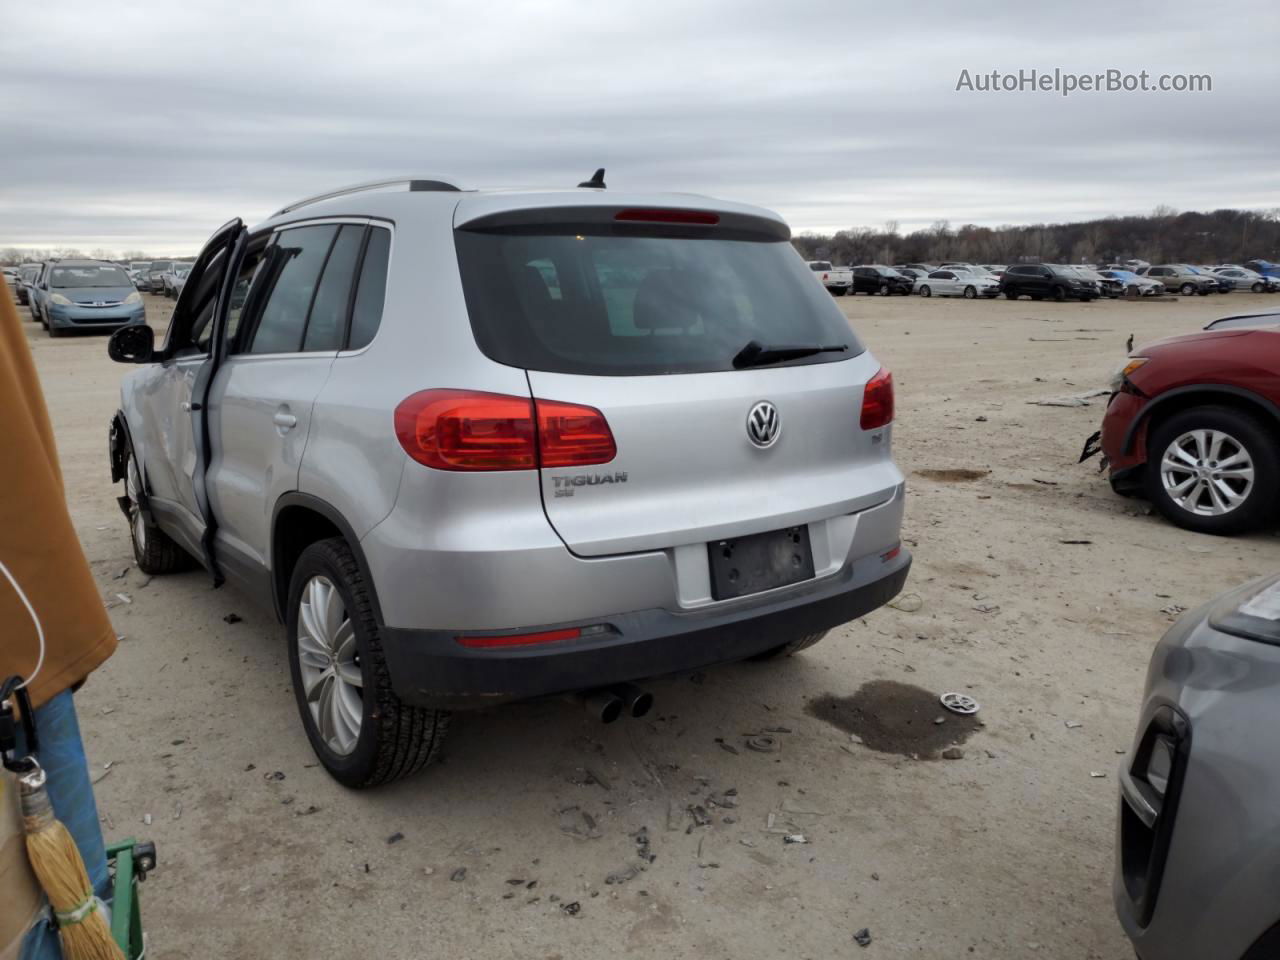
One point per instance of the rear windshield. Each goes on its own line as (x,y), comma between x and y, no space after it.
(634,305)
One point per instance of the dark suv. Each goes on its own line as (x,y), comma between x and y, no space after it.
(882,280)
(1040,280)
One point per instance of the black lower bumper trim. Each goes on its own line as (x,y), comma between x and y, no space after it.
(429,668)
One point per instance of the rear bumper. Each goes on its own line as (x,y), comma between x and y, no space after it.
(430,668)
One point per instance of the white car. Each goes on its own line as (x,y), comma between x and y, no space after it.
(1146,286)
(958,283)
(1243,279)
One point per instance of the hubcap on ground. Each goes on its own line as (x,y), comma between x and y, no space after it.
(132,486)
(1207,472)
(330,665)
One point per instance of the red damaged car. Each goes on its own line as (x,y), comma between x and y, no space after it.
(1193,425)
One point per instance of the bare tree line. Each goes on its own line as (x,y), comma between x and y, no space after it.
(1164,235)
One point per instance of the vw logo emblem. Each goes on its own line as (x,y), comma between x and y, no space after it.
(764,424)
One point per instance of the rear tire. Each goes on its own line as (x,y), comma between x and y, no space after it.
(1245,433)
(394,739)
(1258,287)
(791,647)
(153,549)
(1059,294)
(884,289)
(1187,289)
(925,291)
(1011,293)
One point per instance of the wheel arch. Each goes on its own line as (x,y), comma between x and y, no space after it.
(1199,395)
(297,521)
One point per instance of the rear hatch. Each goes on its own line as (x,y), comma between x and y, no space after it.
(640,312)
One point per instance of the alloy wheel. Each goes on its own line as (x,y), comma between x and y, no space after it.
(329,663)
(1207,472)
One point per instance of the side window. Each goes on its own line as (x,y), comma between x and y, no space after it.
(240,292)
(327,321)
(298,257)
(370,289)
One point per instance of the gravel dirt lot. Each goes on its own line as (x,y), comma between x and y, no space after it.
(507,848)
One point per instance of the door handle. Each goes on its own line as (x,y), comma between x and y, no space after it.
(285,420)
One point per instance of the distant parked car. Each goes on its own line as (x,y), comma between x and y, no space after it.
(1220,284)
(85,295)
(837,280)
(1041,280)
(1243,279)
(180,274)
(879,279)
(1198,838)
(1107,286)
(1127,278)
(995,269)
(168,280)
(11,278)
(1179,278)
(27,273)
(1194,424)
(1264,267)
(154,275)
(957,283)
(923,268)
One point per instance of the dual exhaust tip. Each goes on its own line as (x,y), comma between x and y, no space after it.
(610,703)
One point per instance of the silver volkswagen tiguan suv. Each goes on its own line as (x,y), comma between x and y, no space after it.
(478,446)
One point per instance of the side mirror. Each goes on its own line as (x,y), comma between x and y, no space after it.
(132,344)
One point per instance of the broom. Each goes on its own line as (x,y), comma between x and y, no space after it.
(54,857)
(56,862)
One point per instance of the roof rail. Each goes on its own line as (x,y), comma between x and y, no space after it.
(415,184)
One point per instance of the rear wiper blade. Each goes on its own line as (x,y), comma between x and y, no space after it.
(756,354)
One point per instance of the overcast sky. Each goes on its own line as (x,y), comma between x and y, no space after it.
(141,125)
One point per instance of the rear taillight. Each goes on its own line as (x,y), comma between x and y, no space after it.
(877,401)
(570,435)
(469,430)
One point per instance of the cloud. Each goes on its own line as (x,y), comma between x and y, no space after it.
(149,124)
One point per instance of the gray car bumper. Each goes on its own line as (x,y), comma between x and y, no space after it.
(430,667)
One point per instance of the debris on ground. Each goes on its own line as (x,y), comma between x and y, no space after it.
(571,909)
(1073,400)
(1076,542)
(700,816)
(907,602)
(121,575)
(310,809)
(987,608)
(273,775)
(1073,724)
(458,875)
(1097,774)
(795,838)
(953,753)
(863,937)
(577,823)
(618,877)
(232,618)
(395,838)
(763,743)
(728,747)
(641,837)
(1174,609)
(960,703)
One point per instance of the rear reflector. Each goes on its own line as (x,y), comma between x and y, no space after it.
(469,430)
(668,216)
(890,554)
(520,639)
(877,401)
